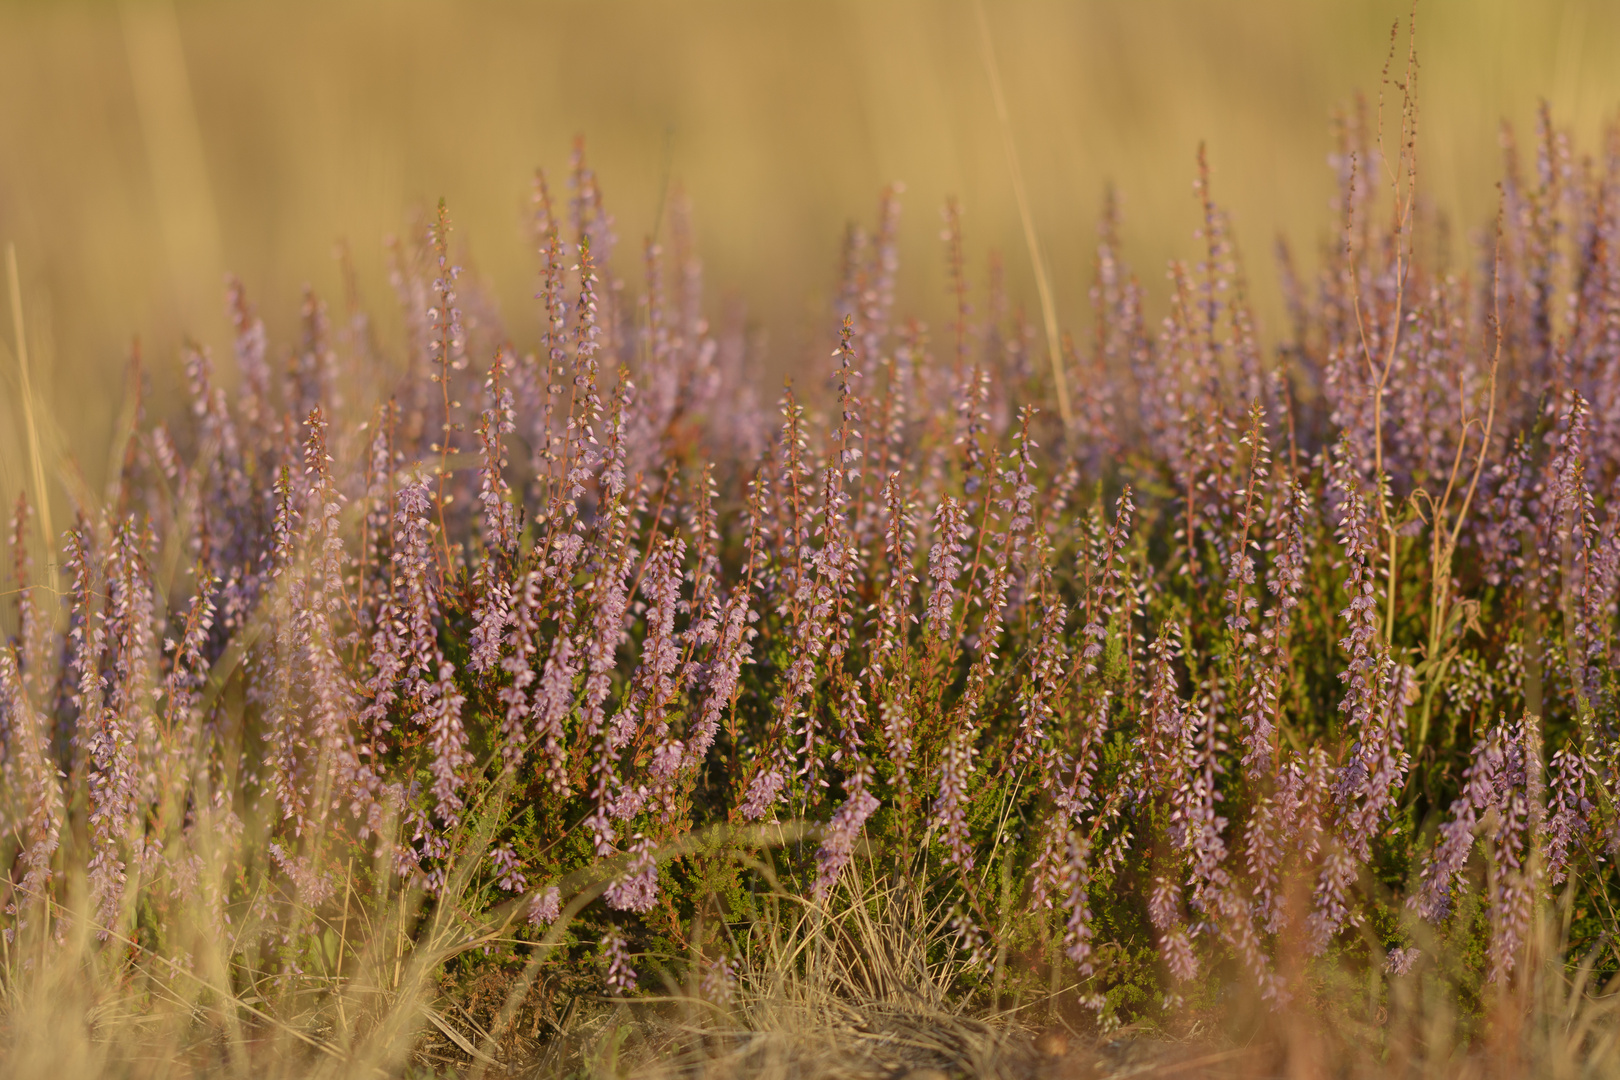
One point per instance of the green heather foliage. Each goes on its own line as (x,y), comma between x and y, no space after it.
(558,672)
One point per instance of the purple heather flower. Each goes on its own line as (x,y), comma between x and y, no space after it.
(763,792)
(1400,961)
(545,905)
(620,977)
(508,868)
(838,841)
(719,981)
(1571,811)
(945,566)
(637,887)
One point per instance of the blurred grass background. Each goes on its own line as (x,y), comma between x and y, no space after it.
(148,146)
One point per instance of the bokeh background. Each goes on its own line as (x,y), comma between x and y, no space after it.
(148,146)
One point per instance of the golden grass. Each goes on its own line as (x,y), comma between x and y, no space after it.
(1032,240)
(849,992)
(864,986)
(29,407)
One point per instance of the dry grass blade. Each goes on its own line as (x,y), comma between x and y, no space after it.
(1043,284)
(462,1042)
(30,407)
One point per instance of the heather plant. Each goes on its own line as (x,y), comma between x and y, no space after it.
(565,671)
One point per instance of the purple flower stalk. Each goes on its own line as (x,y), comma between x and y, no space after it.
(838,841)
(621,975)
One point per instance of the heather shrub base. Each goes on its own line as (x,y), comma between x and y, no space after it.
(441,704)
